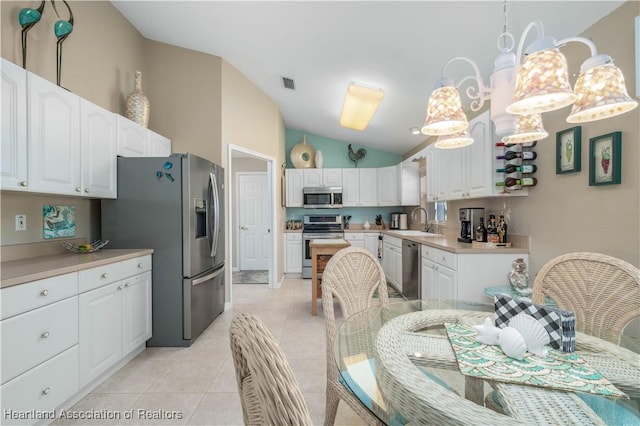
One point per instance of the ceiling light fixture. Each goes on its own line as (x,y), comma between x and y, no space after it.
(529,128)
(360,103)
(445,114)
(455,140)
(538,85)
(543,84)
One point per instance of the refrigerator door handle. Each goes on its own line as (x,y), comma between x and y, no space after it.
(208,277)
(215,213)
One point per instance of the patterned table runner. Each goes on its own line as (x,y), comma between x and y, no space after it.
(560,370)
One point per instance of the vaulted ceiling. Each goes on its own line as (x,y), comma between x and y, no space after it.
(324,45)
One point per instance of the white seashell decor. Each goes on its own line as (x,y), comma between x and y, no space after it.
(487,333)
(534,334)
(512,343)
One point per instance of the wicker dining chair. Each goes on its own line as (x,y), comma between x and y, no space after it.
(351,277)
(604,292)
(267,386)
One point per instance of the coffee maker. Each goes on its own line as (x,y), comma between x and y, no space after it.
(469,221)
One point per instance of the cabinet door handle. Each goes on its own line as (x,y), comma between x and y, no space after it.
(126,285)
(45,335)
(120,287)
(46,391)
(24,183)
(443,258)
(78,189)
(87,190)
(104,276)
(44,292)
(139,265)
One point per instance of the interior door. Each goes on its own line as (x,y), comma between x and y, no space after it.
(254,221)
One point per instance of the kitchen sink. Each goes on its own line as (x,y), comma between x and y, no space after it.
(413,233)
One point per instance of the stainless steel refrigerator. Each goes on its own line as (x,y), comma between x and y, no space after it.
(174,205)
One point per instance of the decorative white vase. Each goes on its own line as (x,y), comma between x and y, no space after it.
(137,104)
(366,224)
(319,159)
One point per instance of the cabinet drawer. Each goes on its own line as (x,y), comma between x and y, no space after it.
(25,297)
(394,241)
(353,236)
(43,388)
(136,266)
(99,276)
(440,256)
(35,336)
(293,236)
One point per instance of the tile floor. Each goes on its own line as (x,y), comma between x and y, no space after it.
(199,384)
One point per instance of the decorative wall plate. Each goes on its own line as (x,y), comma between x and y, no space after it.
(303,156)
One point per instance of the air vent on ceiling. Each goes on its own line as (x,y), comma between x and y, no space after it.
(288,83)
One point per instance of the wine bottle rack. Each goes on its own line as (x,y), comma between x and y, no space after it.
(500,150)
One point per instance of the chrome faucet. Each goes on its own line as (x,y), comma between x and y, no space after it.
(426,214)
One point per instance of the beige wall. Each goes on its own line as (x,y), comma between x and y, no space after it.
(563,213)
(99,57)
(250,119)
(184,91)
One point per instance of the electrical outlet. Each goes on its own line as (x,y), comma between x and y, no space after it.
(21,222)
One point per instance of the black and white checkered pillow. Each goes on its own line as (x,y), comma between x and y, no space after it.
(559,324)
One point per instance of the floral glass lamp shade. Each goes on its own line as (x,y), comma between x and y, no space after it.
(601,92)
(543,83)
(444,112)
(529,128)
(456,140)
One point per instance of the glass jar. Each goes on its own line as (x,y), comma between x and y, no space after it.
(519,278)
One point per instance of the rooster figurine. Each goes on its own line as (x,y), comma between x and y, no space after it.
(356,156)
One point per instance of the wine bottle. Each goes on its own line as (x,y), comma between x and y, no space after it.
(492,230)
(502,229)
(523,145)
(525,181)
(481,232)
(525,155)
(512,168)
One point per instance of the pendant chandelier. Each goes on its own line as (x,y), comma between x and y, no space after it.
(520,92)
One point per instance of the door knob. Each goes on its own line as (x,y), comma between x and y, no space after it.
(268,230)
(244,228)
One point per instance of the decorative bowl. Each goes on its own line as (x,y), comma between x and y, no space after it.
(86,248)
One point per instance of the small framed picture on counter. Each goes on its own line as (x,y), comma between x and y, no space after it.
(569,150)
(605,154)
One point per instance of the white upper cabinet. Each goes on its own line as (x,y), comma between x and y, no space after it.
(388,190)
(463,173)
(294,180)
(359,187)
(133,139)
(322,177)
(13,174)
(159,146)
(99,159)
(409,183)
(54,138)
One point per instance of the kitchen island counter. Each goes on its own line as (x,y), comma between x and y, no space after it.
(21,271)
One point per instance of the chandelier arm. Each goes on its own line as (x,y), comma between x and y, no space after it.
(540,29)
(483,91)
(589,43)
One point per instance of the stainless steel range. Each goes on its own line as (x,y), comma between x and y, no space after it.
(318,226)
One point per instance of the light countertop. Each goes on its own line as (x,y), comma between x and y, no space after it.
(449,242)
(21,271)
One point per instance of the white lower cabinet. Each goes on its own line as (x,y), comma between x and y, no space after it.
(365,240)
(392,260)
(115,318)
(464,276)
(60,333)
(293,253)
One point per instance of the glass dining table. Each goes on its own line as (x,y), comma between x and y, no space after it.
(398,360)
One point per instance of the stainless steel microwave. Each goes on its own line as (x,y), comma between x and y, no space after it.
(324,197)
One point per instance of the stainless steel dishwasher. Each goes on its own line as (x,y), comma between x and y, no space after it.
(411,270)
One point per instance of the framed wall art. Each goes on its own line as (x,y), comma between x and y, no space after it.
(569,150)
(605,155)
